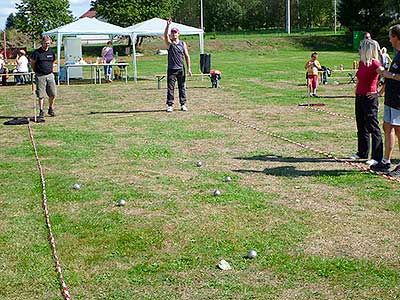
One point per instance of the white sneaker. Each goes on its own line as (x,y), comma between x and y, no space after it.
(184,108)
(371,162)
(170,109)
(354,156)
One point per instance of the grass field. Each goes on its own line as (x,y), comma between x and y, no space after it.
(322,229)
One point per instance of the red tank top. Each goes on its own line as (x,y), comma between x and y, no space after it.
(367,78)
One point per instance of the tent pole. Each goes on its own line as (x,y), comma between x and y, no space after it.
(133,38)
(201,38)
(59,38)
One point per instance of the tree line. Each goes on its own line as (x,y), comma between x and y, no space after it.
(36,16)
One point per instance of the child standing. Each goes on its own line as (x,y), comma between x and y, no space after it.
(312,66)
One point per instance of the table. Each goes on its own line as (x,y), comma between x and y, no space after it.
(30,74)
(96,69)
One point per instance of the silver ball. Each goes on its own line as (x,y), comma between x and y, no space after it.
(121,202)
(227,179)
(76,186)
(199,164)
(252,254)
(217,193)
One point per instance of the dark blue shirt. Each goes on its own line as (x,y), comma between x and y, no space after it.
(392,88)
(44,61)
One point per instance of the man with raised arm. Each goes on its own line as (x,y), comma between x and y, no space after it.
(177,50)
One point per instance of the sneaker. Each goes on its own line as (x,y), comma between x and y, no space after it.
(371,162)
(395,172)
(170,109)
(41,114)
(51,112)
(354,156)
(381,167)
(184,108)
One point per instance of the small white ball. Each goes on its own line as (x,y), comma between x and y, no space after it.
(217,193)
(76,186)
(199,164)
(252,254)
(121,202)
(228,179)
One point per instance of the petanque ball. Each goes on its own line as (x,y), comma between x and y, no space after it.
(121,202)
(228,179)
(76,186)
(217,193)
(199,164)
(251,254)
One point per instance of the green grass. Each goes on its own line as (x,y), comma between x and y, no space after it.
(322,229)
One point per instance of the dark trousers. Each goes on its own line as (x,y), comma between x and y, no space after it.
(3,78)
(368,128)
(172,76)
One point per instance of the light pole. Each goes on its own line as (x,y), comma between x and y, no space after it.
(288,16)
(201,15)
(334,15)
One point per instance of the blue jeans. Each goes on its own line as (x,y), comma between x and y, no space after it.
(108,71)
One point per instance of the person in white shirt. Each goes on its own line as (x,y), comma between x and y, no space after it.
(3,70)
(22,66)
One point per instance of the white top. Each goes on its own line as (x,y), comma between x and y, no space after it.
(1,64)
(22,64)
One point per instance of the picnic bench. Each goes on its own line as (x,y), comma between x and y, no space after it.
(349,74)
(162,76)
(24,74)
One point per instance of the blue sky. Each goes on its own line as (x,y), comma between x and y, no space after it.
(78,7)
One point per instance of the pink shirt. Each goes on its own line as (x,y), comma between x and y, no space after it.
(367,78)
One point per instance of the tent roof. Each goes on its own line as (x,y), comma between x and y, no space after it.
(88,26)
(156,26)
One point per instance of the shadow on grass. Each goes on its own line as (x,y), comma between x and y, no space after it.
(275,158)
(127,111)
(290,171)
(12,117)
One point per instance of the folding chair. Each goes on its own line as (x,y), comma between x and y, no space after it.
(352,77)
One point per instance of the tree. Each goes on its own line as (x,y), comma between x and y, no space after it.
(34,17)
(10,22)
(128,12)
(363,15)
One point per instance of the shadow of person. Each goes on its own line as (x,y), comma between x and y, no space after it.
(275,158)
(291,171)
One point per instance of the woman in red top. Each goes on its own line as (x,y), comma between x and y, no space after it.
(366,106)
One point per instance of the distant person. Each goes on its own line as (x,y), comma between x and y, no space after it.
(367,35)
(386,60)
(312,66)
(3,70)
(22,66)
(366,107)
(391,113)
(107,54)
(42,60)
(177,50)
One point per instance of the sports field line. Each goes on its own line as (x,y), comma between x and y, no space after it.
(335,114)
(65,291)
(315,150)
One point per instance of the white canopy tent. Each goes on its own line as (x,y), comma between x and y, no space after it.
(86,26)
(155,27)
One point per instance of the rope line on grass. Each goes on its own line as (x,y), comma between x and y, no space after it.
(65,291)
(329,112)
(315,150)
